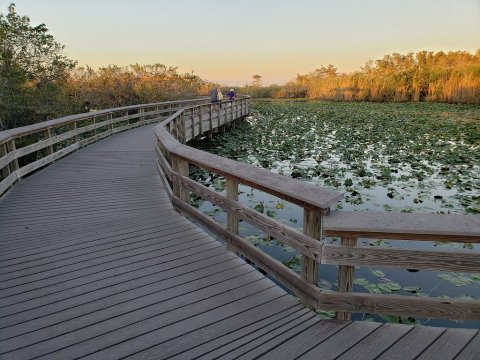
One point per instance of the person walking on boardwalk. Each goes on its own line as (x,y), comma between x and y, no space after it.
(216,96)
(231,94)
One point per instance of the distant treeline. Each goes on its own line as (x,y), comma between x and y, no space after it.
(424,76)
(37,82)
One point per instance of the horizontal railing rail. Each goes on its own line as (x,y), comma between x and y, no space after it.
(25,149)
(175,158)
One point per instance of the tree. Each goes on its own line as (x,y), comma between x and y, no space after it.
(33,71)
(257,80)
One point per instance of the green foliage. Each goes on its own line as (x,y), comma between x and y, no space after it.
(33,71)
(385,157)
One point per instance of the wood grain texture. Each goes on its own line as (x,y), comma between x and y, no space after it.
(400,305)
(345,277)
(96,263)
(301,242)
(402,226)
(232,193)
(292,190)
(400,258)
(312,226)
(291,280)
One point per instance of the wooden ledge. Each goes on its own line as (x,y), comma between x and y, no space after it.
(405,226)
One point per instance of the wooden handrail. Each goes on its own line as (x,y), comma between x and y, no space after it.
(10,134)
(10,169)
(182,121)
(186,124)
(404,226)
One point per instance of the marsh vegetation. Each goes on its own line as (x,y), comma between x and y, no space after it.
(402,157)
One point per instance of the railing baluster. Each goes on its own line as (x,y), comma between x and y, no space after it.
(48,134)
(345,277)
(180,166)
(3,152)
(75,137)
(11,148)
(312,226)
(200,115)
(232,193)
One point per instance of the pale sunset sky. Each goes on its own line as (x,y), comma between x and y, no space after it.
(229,41)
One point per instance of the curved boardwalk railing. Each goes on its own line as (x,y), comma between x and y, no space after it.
(27,149)
(175,158)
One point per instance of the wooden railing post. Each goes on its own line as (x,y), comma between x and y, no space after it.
(110,124)
(180,166)
(345,277)
(183,128)
(232,220)
(11,148)
(193,125)
(48,134)
(75,137)
(3,152)
(142,118)
(312,226)
(210,123)
(200,115)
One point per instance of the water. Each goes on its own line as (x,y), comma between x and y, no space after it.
(374,180)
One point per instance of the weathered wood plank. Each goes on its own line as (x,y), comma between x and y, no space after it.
(292,190)
(347,337)
(345,277)
(6,158)
(175,293)
(377,342)
(401,258)
(312,226)
(26,130)
(449,344)
(471,351)
(232,193)
(301,242)
(412,344)
(220,346)
(108,340)
(263,344)
(394,225)
(274,268)
(253,318)
(400,305)
(7,182)
(304,341)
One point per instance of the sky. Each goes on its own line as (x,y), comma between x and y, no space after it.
(230,41)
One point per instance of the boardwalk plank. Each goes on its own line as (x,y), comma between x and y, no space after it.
(111,270)
(449,344)
(304,341)
(219,346)
(347,337)
(54,276)
(112,309)
(167,237)
(259,346)
(161,324)
(413,343)
(377,342)
(75,305)
(471,351)
(151,270)
(95,262)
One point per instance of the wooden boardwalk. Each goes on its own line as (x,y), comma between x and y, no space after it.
(96,264)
